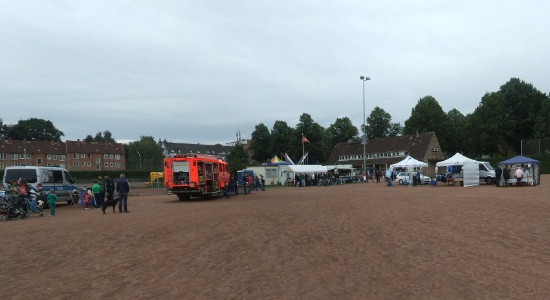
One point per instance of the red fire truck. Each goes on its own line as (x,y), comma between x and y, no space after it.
(195,175)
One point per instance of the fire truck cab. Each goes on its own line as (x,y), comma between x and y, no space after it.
(195,175)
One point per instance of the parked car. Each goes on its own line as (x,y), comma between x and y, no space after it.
(407,177)
(44,178)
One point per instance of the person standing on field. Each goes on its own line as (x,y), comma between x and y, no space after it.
(98,194)
(52,200)
(123,188)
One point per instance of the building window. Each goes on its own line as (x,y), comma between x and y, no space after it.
(98,161)
(75,164)
(435,149)
(117,165)
(83,164)
(117,157)
(39,161)
(55,157)
(61,157)
(112,165)
(14,156)
(105,156)
(82,155)
(111,156)
(48,157)
(106,165)
(75,155)
(3,156)
(89,164)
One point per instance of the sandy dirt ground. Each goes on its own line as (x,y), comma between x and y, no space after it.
(352,241)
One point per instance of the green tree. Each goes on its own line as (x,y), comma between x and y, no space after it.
(342,130)
(237,159)
(542,126)
(260,143)
(145,154)
(378,124)
(106,136)
(280,138)
(34,129)
(504,118)
(315,134)
(428,116)
(395,129)
(456,130)
(3,130)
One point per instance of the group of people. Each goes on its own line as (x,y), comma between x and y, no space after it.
(248,182)
(18,191)
(521,174)
(104,190)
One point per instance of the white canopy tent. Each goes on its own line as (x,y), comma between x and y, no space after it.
(409,162)
(470,168)
(291,170)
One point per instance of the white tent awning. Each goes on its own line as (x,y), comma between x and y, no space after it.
(306,168)
(409,162)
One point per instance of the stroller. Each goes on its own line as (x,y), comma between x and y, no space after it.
(9,210)
(33,204)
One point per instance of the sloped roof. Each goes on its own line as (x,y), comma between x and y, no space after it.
(79,146)
(20,146)
(415,145)
(217,149)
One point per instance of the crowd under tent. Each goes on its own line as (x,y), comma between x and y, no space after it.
(463,169)
(530,164)
(290,171)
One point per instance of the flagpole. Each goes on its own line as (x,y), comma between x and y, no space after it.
(302,147)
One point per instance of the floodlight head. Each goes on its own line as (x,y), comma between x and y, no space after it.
(362,77)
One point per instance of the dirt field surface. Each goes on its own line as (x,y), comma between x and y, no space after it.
(352,241)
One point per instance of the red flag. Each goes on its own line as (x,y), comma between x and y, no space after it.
(304,139)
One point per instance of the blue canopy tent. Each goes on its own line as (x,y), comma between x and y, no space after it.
(530,164)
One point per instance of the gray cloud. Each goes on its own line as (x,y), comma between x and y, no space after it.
(198,71)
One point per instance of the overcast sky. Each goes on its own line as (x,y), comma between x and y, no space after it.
(199,71)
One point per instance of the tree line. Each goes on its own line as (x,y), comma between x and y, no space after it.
(517,111)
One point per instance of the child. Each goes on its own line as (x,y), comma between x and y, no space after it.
(52,199)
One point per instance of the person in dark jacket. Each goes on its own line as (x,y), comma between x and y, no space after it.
(498,174)
(123,188)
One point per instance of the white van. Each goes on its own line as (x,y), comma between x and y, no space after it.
(44,179)
(486,173)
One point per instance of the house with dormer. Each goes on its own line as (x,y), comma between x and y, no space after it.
(382,152)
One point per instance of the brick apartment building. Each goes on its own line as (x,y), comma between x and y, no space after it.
(72,155)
